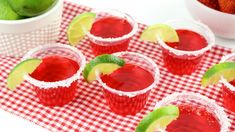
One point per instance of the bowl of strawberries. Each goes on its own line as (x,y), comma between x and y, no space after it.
(219,15)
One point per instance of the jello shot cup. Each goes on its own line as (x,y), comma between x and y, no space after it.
(228,88)
(184,57)
(111,32)
(196,113)
(127,89)
(55,79)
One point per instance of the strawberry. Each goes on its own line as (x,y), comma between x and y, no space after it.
(211,3)
(227,6)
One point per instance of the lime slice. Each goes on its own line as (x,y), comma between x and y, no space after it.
(79,26)
(16,76)
(105,64)
(6,12)
(165,32)
(158,119)
(213,75)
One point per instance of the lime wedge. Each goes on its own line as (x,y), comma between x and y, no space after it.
(165,32)
(16,76)
(105,64)
(79,26)
(158,119)
(213,75)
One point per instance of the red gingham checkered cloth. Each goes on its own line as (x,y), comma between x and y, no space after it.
(89,111)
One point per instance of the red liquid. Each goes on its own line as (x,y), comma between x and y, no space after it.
(194,119)
(229,97)
(56,68)
(110,27)
(128,78)
(188,41)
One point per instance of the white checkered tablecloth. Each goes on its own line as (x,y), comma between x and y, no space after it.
(89,111)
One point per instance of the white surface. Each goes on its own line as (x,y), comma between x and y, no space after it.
(12,123)
(145,11)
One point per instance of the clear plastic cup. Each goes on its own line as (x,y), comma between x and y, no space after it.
(197,101)
(60,92)
(182,62)
(129,103)
(101,45)
(228,89)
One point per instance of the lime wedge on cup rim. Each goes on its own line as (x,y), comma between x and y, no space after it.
(158,119)
(164,31)
(105,64)
(214,74)
(16,76)
(79,26)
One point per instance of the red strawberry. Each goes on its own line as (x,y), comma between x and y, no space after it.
(227,6)
(211,3)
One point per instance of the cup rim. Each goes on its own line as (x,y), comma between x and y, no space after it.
(137,92)
(126,36)
(210,34)
(224,81)
(52,9)
(221,115)
(64,83)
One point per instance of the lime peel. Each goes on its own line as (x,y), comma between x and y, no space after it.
(164,31)
(6,12)
(16,76)
(214,74)
(158,119)
(79,26)
(105,64)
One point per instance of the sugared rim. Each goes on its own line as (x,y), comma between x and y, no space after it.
(209,33)
(220,114)
(134,93)
(124,15)
(224,81)
(64,83)
(208,8)
(54,7)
